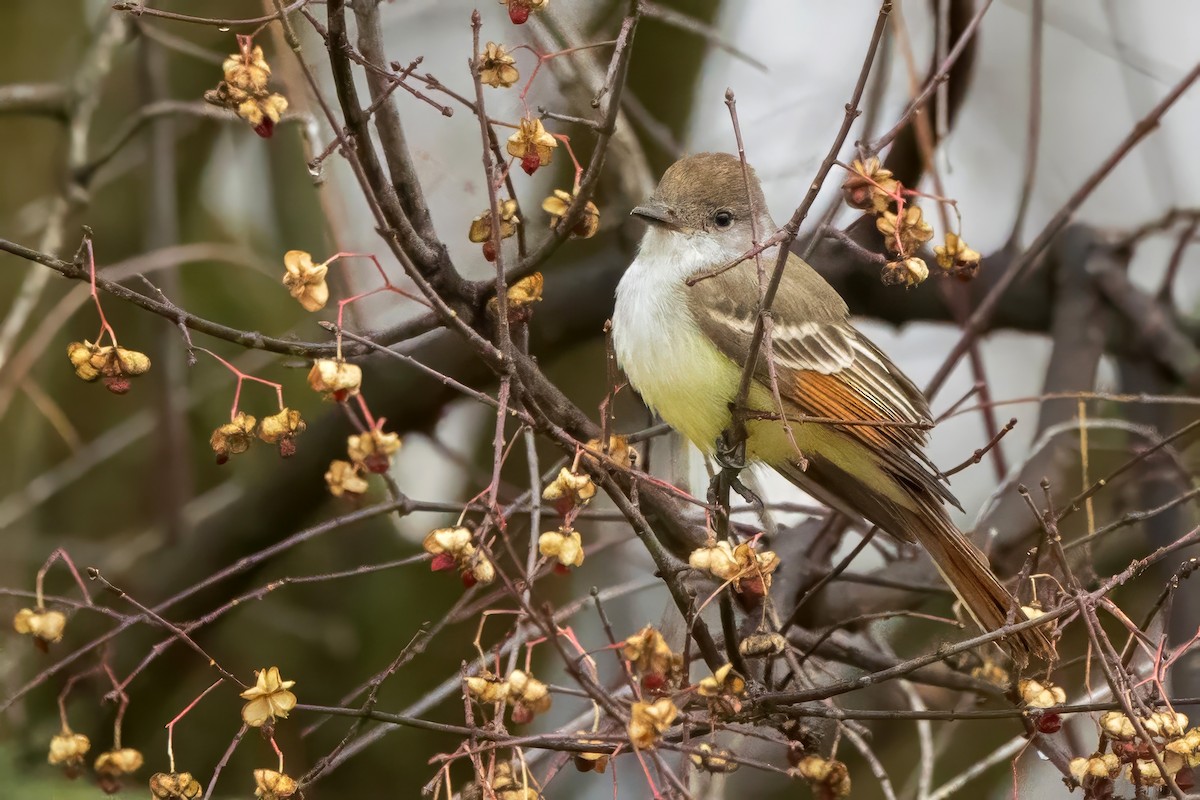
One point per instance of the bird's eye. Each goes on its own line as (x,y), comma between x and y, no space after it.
(723,218)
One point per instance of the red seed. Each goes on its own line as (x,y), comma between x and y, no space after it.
(489,250)
(1049,723)
(468,579)
(117,384)
(377,463)
(441,562)
(518,12)
(653,681)
(562,569)
(1185,779)
(531,161)
(265,128)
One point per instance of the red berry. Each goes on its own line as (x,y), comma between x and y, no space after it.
(265,128)
(518,12)
(1049,723)
(489,250)
(441,562)
(1185,779)
(751,588)
(377,463)
(531,161)
(653,681)
(468,579)
(222,458)
(117,384)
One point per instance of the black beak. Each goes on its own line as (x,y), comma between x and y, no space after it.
(656,215)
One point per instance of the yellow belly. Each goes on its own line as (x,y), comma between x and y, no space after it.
(688,382)
(691,384)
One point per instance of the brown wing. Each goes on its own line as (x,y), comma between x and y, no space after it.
(826,368)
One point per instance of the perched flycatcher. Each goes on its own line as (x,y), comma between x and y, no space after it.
(683,349)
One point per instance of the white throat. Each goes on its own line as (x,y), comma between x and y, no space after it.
(669,361)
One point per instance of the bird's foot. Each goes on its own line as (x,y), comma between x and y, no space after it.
(732,460)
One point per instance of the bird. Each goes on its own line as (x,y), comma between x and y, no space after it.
(682,332)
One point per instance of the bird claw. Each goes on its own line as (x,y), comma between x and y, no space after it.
(732,460)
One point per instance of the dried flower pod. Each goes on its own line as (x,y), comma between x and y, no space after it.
(244,90)
(717,760)
(521,297)
(67,750)
(1099,765)
(481,227)
(1147,772)
(588,761)
(907,272)
(650,655)
(578,489)
(762,644)
(80,355)
(478,569)
(754,570)
(454,541)
(234,437)
(529,695)
(247,70)
(487,688)
(46,627)
(282,429)
(496,67)
(726,680)
(1117,726)
(345,479)
(563,545)
(955,256)
(1040,694)
(992,672)
(92,361)
(715,558)
(829,777)
(1188,746)
(508,785)
(335,379)
(532,144)
(869,186)
(904,233)
(557,205)
(1165,724)
(269,698)
(305,280)
(119,762)
(175,786)
(131,362)
(648,721)
(112,765)
(619,451)
(526,291)
(272,785)
(373,450)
